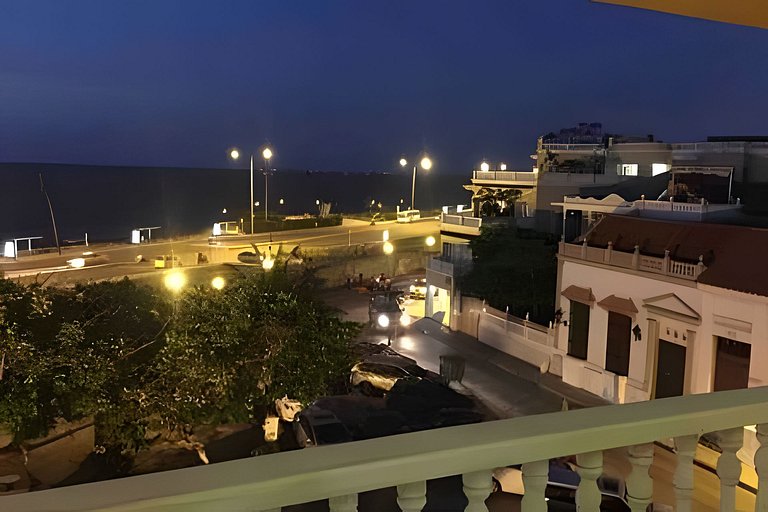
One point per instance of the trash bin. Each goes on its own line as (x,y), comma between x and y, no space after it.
(451,368)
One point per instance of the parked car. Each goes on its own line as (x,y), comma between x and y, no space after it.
(375,378)
(563,481)
(167,261)
(317,426)
(87,259)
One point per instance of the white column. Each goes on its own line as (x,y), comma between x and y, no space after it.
(589,466)
(346,503)
(639,482)
(412,497)
(477,487)
(729,466)
(683,479)
(761,466)
(535,475)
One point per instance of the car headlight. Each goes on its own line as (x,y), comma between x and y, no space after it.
(77,262)
(383,321)
(412,288)
(405,319)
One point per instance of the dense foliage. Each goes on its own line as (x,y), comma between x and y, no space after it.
(515,269)
(133,357)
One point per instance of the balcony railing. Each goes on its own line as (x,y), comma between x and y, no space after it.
(515,176)
(572,147)
(340,472)
(665,265)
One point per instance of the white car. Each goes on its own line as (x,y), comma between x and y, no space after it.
(87,259)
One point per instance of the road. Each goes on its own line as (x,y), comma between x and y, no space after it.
(122,258)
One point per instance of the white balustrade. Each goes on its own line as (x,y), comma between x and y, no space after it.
(412,497)
(639,483)
(407,461)
(477,487)
(761,467)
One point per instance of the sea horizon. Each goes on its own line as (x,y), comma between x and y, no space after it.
(108,201)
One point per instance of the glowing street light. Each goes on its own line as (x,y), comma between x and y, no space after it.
(217,283)
(175,281)
(484,167)
(430,241)
(267,154)
(503,166)
(426,164)
(268,263)
(388,248)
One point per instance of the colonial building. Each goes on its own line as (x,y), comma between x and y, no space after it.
(652,309)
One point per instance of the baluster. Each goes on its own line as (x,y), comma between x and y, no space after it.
(761,466)
(683,479)
(346,503)
(639,483)
(589,466)
(729,466)
(535,476)
(412,497)
(477,487)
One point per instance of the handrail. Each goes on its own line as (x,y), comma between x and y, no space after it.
(271,481)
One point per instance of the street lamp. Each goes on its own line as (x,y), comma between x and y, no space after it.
(267,154)
(484,167)
(235,154)
(425,164)
(503,166)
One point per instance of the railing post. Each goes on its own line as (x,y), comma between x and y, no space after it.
(412,497)
(608,253)
(639,483)
(729,466)
(636,257)
(477,487)
(589,466)
(665,269)
(761,466)
(584,249)
(683,479)
(535,475)
(346,503)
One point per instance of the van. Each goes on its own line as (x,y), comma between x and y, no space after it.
(408,215)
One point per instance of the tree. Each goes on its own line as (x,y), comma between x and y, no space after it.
(513,268)
(230,353)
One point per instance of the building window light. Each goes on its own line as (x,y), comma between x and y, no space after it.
(657,169)
(627,169)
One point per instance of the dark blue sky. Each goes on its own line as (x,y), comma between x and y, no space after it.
(351,85)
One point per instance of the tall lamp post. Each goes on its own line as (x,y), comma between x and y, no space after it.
(235,154)
(267,154)
(425,164)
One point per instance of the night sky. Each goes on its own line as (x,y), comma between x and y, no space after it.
(352,85)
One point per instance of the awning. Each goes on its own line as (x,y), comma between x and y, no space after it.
(579,294)
(618,305)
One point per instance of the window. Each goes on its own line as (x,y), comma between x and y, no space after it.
(627,169)
(732,364)
(657,169)
(578,332)
(617,346)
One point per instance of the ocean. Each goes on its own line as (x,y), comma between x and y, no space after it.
(107,202)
